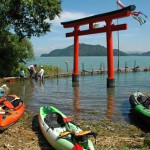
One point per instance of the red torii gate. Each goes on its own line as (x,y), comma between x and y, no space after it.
(108,28)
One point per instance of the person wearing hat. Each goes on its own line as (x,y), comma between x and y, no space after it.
(41,73)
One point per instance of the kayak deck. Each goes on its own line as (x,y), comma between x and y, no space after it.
(60,132)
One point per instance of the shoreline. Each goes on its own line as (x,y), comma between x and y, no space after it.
(26,134)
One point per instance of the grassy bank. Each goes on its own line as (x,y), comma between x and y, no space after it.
(49,70)
(26,135)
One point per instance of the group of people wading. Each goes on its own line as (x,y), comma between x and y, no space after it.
(33,73)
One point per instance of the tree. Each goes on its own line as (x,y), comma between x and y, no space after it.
(19,20)
(28,17)
(13,52)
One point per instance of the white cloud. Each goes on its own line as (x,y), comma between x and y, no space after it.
(56,38)
(68,16)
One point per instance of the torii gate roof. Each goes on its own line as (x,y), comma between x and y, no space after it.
(100,17)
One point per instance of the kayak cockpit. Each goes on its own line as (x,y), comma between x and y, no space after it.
(55,120)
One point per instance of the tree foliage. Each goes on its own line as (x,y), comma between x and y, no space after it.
(28,17)
(19,20)
(13,52)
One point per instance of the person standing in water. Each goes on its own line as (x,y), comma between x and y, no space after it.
(32,70)
(22,74)
(41,73)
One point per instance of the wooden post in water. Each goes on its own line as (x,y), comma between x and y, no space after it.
(83,71)
(57,73)
(103,66)
(92,72)
(82,66)
(66,62)
(100,66)
(126,66)
(134,63)
(134,69)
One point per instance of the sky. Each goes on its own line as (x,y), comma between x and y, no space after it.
(135,38)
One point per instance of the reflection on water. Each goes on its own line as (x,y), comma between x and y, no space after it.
(90,100)
(110,102)
(76,101)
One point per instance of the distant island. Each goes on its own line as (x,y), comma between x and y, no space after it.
(89,50)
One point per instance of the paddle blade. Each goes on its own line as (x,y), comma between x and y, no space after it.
(8,104)
(77,147)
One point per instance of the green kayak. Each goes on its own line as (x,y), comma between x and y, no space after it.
(61,133)
(141,105)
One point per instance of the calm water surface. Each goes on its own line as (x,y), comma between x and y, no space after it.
(93,62)
(91,100)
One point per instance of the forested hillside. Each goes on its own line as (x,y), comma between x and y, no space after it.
(85,50)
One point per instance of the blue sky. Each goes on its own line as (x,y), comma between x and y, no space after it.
(135,38)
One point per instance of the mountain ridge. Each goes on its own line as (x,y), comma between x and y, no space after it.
(90,50)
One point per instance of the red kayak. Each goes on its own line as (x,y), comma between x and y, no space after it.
(11,110)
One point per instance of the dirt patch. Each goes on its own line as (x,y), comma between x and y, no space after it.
(26,135)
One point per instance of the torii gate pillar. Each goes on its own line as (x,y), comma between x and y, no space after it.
(75,74)
(110,54)
(90,21)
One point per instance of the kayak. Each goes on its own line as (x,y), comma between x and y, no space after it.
(61,132)
(11,110)
(141,105)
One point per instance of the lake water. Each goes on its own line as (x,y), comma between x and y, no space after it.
(93,62)
(91,100)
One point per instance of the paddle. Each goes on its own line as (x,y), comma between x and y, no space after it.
(77,147)
(82,133)
(8,104)
(65,133)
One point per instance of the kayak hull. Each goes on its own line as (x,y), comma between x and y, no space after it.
(141,106)
(11,116)
(52,133)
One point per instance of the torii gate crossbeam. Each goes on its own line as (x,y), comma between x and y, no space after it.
(108,29)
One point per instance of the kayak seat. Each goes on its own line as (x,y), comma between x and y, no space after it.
(10,98)
(146,103)
(54,120)
(17,102)
(60,120)
(140,99)
(10,102)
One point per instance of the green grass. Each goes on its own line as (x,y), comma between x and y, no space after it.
(49,70)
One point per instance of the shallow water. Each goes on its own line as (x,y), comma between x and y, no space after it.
(91,100)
